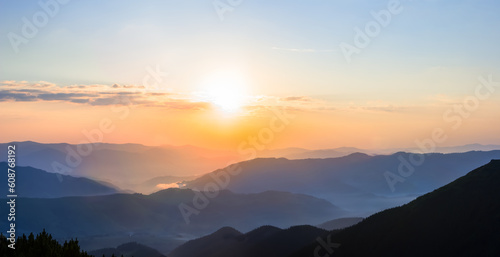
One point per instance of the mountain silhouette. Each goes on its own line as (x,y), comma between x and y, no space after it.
(31,182)
(118,163)
(131,249)
(357,182)
(136,217)
(263,241)
(459,219)
(340,223)
(301,153)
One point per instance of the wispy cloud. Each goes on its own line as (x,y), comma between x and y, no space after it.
(304,50)
(95,95)
(6,95)
(64,96)
(296,98)
(106,95)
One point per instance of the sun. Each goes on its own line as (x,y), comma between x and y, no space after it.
(226,90)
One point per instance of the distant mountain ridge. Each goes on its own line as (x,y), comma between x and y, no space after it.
(36,183)
(357,182)
(118,163)
(302,153)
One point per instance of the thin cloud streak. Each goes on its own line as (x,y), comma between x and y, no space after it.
(304,50)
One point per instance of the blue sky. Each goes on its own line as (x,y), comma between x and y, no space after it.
(427,59)
(113,41)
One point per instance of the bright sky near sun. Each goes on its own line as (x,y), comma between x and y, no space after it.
(204,76)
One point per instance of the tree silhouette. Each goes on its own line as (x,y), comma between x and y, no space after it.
(43,245)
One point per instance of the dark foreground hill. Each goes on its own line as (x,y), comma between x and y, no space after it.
(156,220)
(263,241)
(340,223)
(31,182)
(132,249)
(459,219)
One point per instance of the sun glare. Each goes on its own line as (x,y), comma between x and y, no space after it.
(226,90)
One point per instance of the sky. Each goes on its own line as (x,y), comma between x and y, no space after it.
(215,74)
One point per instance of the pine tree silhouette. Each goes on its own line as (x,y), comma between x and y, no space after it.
(43,245)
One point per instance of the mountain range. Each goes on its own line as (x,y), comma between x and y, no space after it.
(118,164)
(263,241)
(36,183)
(101,221)
(357,182)
(461,218)
(274,195)
(302,153)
